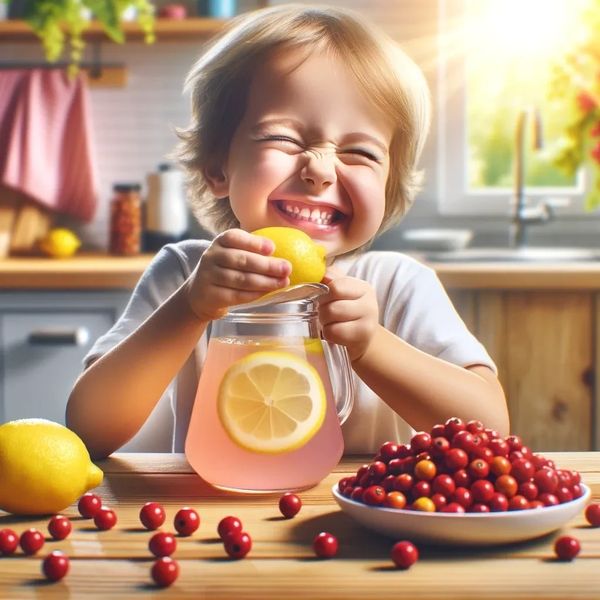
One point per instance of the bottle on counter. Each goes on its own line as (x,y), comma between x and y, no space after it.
(125,219)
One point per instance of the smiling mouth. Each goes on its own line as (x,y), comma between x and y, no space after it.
(324,215)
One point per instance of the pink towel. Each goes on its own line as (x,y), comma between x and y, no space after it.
(46,140)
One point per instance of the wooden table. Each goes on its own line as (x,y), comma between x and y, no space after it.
(281,565)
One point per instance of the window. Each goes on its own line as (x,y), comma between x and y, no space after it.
(498,65)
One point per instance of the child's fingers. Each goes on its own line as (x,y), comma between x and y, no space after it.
(242,240)
(247,280)
(250,262)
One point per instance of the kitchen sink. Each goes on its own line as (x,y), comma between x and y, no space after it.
(520,255)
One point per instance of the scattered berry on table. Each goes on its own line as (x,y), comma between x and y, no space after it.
(152,515)
(162,544)
(325,545)
(404,554)
(228,526)
(237,545)
(566,547)
(592,514)
(9,541)
(105,518)
(55,566)
(165,571)
(89,504)
(59,527)
(31,541)
(186,521)
(289,505)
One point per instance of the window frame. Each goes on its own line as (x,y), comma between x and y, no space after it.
(453,195)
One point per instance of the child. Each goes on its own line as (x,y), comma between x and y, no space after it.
(302,117)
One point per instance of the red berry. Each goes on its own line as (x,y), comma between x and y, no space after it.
(229,526)
(388,451)
(456,458)
(9,541)
(325,545)
(566,547)
(592,514)
(105,518)
(482,490)
(289,505)
(377,470)
(237,545)
(162,544)
(453,426)
(374,495)
(55,566)
(420,441)
(89,504)
(152,515)
(498,502)
(59,527)
(186,521)
(165,571)
(31,541)
(546,480)
(404,554)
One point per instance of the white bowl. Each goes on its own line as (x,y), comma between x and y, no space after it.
(462,529)
(437,239)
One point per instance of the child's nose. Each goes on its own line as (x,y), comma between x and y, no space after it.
(319,170)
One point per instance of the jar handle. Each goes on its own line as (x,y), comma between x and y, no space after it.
(342,381)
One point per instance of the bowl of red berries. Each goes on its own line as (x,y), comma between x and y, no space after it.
(461,484)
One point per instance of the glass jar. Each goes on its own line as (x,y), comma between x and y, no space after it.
(126,219)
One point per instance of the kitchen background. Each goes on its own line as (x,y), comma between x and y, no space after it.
(540,323)
(133,126)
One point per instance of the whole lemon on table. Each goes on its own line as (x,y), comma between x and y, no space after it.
(306,256)
(44,467)
(60,243)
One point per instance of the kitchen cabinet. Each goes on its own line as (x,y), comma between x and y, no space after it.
(545,344)
(44,337)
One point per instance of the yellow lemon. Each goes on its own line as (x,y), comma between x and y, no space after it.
(60,243)
(307,257)
(271,402)
(44,467)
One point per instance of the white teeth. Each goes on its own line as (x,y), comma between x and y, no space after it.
(321,217)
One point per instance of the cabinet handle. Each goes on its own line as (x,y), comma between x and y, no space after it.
(79,336)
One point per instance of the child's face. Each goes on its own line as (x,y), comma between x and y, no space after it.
(310,152)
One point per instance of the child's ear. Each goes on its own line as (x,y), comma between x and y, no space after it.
(217,181)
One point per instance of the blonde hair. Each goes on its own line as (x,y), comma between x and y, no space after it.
(220,80)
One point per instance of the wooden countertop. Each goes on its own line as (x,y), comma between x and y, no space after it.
(98,271)
(281,564)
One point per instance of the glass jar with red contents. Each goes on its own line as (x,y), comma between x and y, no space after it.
(125,219)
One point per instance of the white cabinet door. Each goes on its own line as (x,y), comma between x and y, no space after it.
(44,339)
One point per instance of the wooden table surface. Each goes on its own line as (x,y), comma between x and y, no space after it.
(281,564)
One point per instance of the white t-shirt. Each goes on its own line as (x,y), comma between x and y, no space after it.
(412,303)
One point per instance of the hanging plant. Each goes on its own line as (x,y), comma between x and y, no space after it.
(58,21)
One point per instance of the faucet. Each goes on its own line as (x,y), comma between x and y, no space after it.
(522,214)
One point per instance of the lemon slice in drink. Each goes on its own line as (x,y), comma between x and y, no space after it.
(271,402)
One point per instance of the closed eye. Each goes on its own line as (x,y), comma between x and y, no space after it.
(281,138)
(361,152)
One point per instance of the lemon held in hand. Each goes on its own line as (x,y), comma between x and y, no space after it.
(44,467)
(60,243)
(307,257)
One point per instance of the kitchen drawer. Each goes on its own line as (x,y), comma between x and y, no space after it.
(44,337)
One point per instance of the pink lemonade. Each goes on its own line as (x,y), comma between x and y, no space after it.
(222,462)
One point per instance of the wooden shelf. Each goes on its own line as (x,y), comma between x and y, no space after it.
(165,30)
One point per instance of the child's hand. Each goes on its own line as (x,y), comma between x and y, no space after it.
(235,268)
(349,313)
